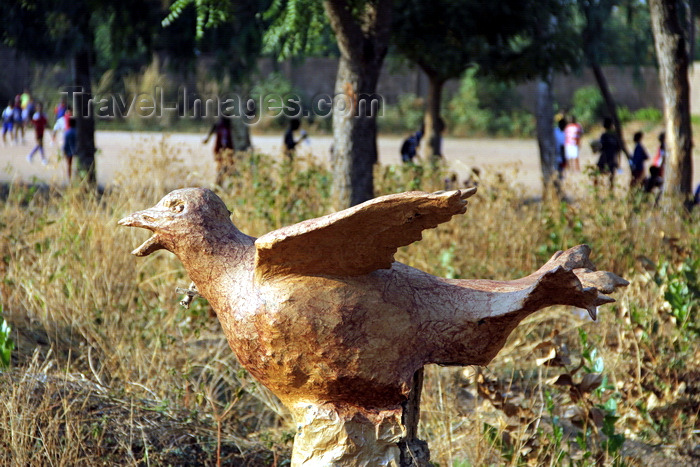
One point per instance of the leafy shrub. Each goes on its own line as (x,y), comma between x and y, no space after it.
(625,114)
(6,343)
(487,107)
(588,105)
(404,116)
(274,85)
(464,111)
(649,114)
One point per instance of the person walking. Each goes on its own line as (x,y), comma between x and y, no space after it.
(8,116)
(660,158)
(560,141)
(17,122)
(39,121)
(290,143)
(637,162)
(223,148)
(409,148)
(70,144)
(610,148)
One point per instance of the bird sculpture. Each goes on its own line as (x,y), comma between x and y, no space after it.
(321,314)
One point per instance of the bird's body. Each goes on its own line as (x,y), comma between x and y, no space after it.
(321,314)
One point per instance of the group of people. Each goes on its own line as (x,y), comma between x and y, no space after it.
(568,136)
(18,113)
(22,112)
(231,137)
(225,137)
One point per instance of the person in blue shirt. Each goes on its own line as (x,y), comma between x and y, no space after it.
(409,148)
(609,159)
(637,162)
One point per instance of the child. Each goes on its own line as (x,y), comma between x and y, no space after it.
(17,122)
(70,144)
(39,121)
(7,121)
(608,161)
(637,161)
(62,117)
(289,142)
(409,148)
(572,134)
(660,158)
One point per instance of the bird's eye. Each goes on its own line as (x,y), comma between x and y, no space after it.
(175,205)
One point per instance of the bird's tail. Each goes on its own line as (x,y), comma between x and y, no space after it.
(570,278)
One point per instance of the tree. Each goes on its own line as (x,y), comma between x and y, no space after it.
(362,30)
(508,40)
(445,37)
(672,56)
(65,29)
(551,47)
(597,14)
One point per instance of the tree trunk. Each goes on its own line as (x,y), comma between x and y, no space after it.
(363,40)
(431,146)
(354,135)
(672,57)
(545,134)
(84,117)
(609,102)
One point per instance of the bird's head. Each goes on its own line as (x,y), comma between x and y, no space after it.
(180,217)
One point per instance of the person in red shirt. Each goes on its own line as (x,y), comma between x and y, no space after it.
(223,148)
(224,136)
(39,121)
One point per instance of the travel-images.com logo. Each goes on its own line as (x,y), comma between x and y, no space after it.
(250,109)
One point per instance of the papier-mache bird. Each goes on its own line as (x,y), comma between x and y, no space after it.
(320,312)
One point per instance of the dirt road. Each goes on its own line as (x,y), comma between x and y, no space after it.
(116,150)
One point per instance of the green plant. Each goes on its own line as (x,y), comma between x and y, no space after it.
(464,109)
(605,393)
(483,106)
(682,292)
(648,114)
(7,345)
(271,95)
(624,114)
(588,105)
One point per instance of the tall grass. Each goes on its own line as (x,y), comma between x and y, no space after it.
(110,369)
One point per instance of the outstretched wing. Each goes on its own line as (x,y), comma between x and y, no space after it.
(357,240)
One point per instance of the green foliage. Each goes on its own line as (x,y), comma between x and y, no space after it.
(682,284)
(208,13)
(7,345)
(617,33)
(297,27)
(564,229)
(649,114)
(464,110)
(596,400)
(446,37)
(404,116)
(292,27)
(487,107)
(588,106)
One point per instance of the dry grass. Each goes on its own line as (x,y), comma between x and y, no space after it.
(110,369)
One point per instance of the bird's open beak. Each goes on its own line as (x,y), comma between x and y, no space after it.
(147,220)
